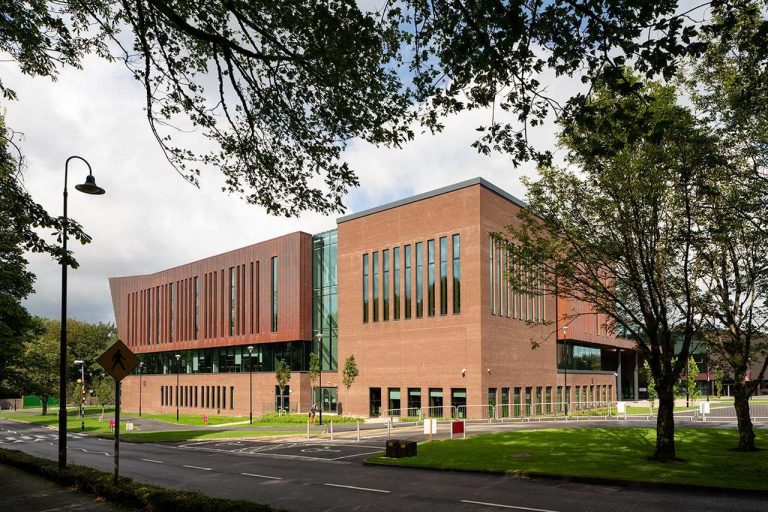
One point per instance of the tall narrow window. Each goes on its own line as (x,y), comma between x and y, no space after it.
(505,282)
(274,294)
(431,277)
(366,277)
(396,281)
(172,306)
(157,314)
(197,306)
(419,279)
(385,283)
(375,263)
(232,295)
(497,255)
(407,277)
(491,281)
(444,275)
(456,274)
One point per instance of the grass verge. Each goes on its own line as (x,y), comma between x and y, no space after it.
(195,435)
(127,492)
(706,456)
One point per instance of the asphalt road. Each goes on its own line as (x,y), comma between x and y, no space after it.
(321,476)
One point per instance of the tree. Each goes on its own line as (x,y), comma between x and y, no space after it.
(650,384)
(281,89)
(283,377)
(718,382)
(313,372)
(39,366)
(349,374)
(105,391)
(690,380)
(618,232)
(729,86)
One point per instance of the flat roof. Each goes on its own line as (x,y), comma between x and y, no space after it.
(433,193)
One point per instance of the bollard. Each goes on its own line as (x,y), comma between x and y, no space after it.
(388,430)
(331,430)
(358,431)
(465,429)
(307,429)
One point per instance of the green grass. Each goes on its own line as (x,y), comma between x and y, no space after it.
(707,456)
(74,423)
(188,419)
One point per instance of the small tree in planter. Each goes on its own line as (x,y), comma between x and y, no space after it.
(283,377)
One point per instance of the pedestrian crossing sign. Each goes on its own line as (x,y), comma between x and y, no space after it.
(118,360)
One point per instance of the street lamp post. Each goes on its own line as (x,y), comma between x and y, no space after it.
(319,337)
(565,369)
(250,383)
(178,393)
(141,365)
(82,393)
(89,187)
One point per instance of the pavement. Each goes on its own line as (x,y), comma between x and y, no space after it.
(24,492)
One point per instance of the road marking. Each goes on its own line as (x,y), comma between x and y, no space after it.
(155,461)
(357,455)
(196,467)
(262,476)
(506,506)
(358,488)
(89,451)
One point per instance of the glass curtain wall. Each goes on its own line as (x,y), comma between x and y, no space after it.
(325,300)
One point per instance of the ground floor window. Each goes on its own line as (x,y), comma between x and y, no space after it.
(328,399)
(282,401)
(548,399)
(459,402)
(393,407)
(374,399)
(516,403)
(528,401)
(414,401)
(491,402)
(504,402)
(435,403)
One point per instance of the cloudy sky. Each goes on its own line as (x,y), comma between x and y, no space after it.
(150,219)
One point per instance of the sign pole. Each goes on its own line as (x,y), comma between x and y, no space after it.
(117,430)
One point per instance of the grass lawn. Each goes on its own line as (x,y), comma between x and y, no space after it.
(269,420)
(615,453)
(187,419)
(74,423)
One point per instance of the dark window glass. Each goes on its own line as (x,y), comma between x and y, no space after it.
(385,282)
(407,277)
(443,275)
(456,274)
(491,280)
(414,402)
(232,291)
(419,279)
(274,294)
(375,263)
(431,277)
(396,282)
(365,287)
(197,306)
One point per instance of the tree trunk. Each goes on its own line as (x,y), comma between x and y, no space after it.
(44,403)
(665,425)
(741,403)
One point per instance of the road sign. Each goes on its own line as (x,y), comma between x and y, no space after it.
(118,360)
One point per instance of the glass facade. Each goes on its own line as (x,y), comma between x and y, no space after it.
(431,277)
(443,275)
(228,359)
(366,277)
(419,279)
(197,307)
(325,298)
(581,357)
(407,278)
(456,274)
(274,294)
(396,281)
(385,283)
(232,292)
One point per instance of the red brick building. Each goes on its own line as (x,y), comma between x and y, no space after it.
(415,290)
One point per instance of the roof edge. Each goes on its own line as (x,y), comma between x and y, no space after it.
(434,193)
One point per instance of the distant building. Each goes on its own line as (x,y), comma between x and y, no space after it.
(415,289)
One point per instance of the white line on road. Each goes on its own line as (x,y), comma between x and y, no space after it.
(89,451)
(155,461)
(196,467)
(357,488)
(507,506)
(262,476)
(356,455)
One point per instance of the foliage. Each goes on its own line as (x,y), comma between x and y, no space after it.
(280,90)
(651,384)
(127,493)
(282,376)
(617,233)
(349,373)
(105,390)
(38,367)
(314,370)
(718,382)
(690,380)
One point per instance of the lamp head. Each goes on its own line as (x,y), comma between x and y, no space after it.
(78,361)
(178,356)
(90,186)
(250,349)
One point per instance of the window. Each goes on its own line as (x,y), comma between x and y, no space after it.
(157,314)
(274,294)
(504,402)
(365,287)
(414,402)
(385,282)
(197,306)
(516,403)
(407,278)
(232,291)
(171,315)
(419,279)
(491,280)
(393,408)
(456,274)
(396,282)
(375,263)
(431,277)
(548,398)
(443,275)
(231,397)
(435,409)
(538,400)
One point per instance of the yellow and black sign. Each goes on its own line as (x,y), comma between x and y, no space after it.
(118,360)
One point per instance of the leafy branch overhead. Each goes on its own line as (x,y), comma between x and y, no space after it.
(280,89)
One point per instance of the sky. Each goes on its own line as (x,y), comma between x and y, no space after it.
(150,219)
